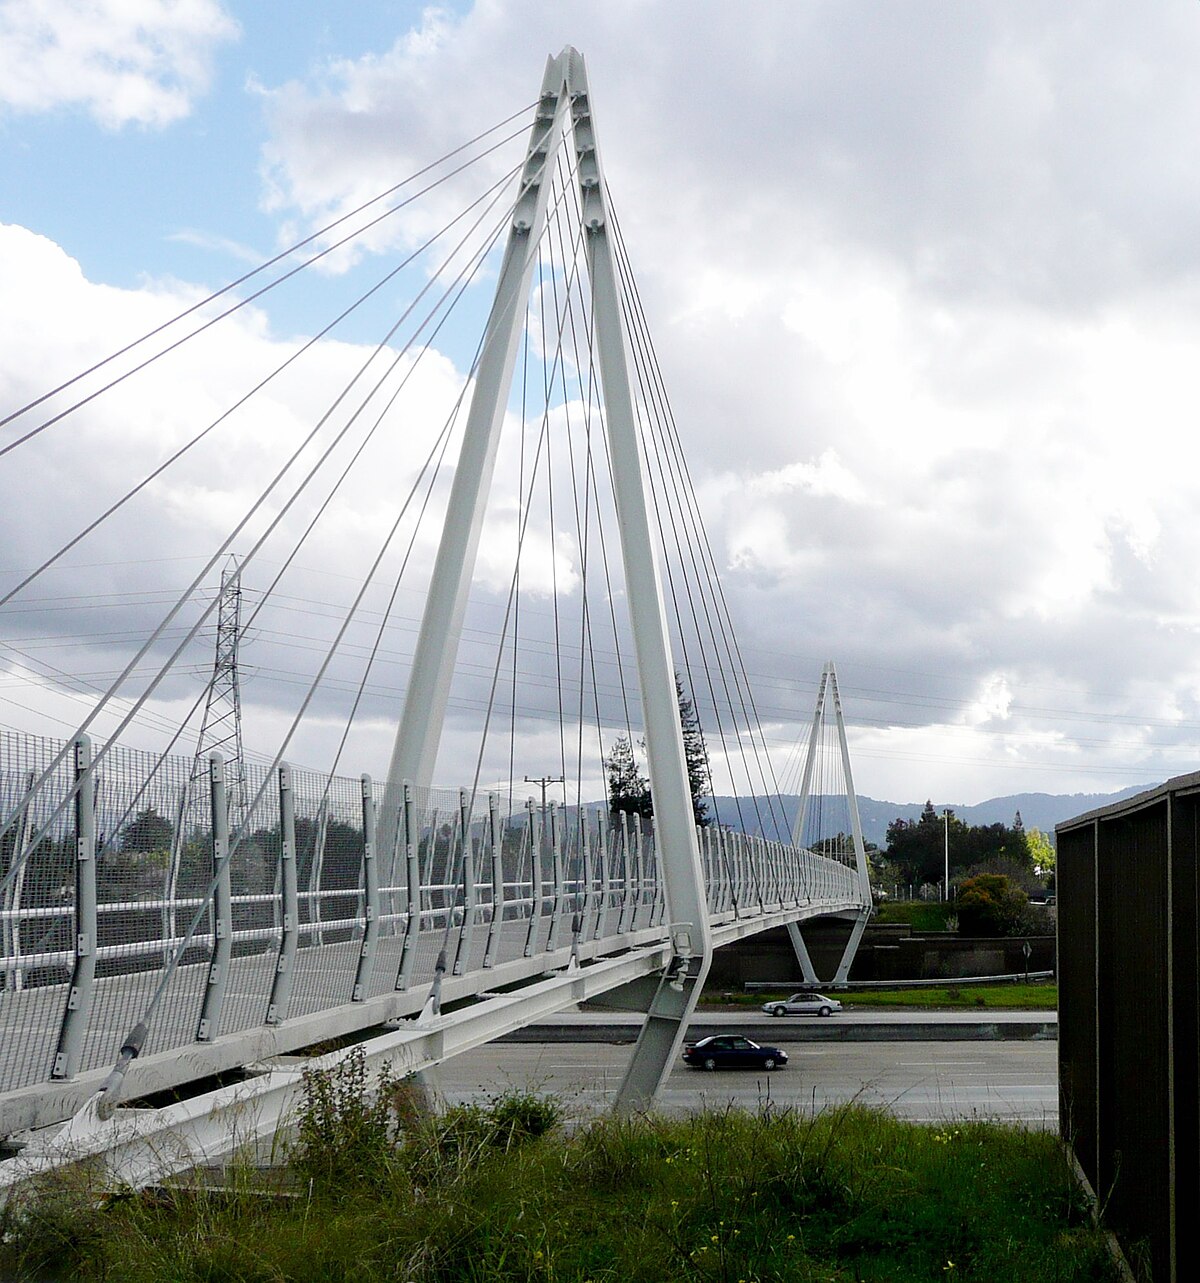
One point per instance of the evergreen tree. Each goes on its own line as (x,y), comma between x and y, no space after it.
(1020,851)
(695,752)
(147,832)
(629,789)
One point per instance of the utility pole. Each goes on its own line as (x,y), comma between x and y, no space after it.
(544,781)
(946,813)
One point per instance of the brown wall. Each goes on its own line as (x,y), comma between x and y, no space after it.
(1129,1043)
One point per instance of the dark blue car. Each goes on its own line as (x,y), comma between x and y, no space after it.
(732,1051)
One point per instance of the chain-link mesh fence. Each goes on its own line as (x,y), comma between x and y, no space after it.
(285,916)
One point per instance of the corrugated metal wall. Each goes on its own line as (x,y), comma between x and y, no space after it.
(1129,1053)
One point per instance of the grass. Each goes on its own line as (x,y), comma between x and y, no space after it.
(1042,996)
(499,1192)
(1006,997)
(920,915)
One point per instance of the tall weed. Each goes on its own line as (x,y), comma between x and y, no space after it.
(346,1132)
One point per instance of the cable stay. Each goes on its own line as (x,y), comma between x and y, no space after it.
(529,502)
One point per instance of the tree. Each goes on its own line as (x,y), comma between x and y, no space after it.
(989,905)
(629,789)
(146,833)
(1041,851)
(695,752)
(917,849)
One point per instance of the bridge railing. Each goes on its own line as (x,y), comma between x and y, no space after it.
(112,889)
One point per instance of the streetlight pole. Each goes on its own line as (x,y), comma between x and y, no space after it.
(946,883)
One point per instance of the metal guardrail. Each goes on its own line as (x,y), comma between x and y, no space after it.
(116,877)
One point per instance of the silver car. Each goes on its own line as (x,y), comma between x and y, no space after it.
(803,1004)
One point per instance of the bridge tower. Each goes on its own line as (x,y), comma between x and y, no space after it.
(564,108)
(806,825)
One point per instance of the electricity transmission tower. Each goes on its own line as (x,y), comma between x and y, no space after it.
(221,728)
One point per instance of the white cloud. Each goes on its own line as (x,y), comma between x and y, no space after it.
(119,581)
(924,287)
(828,476)
(139,62)
(926,350)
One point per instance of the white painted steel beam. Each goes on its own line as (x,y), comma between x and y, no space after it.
(415,751)
(677,848)
(860,850)
(82,988)
(807,970)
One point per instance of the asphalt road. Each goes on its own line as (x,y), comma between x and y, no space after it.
(925,1081)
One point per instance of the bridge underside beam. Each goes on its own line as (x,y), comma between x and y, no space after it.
(139,1147)
(851,951)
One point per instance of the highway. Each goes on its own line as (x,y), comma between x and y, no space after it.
(927,1081)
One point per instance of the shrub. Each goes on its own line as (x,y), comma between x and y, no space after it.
(990,905)
(346,1134)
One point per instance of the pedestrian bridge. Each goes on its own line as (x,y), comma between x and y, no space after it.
(476,921)
(188,924)
(311,933)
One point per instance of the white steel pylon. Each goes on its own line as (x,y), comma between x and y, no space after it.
(827,693)
(564,108)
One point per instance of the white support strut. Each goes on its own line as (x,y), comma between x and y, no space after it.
(415,750)
(675,826)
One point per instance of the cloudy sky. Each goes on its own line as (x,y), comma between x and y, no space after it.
(924,280)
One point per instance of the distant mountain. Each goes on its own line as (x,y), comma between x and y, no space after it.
(1038,810)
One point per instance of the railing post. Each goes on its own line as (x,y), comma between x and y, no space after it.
(83,974)
(754,854)
(585,863)
(559,877)
(639,871)
(729,898)
(496,847)
(462,954)
(605,879)
(366,953)
(412,890)
(15,891)
(627,905)
(535,868)
(712,889)
(171,875)
(706,868)
(654,874)
(316,872)
(222,907)
(289,906)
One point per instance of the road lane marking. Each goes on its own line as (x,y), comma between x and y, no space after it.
(938,1064)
